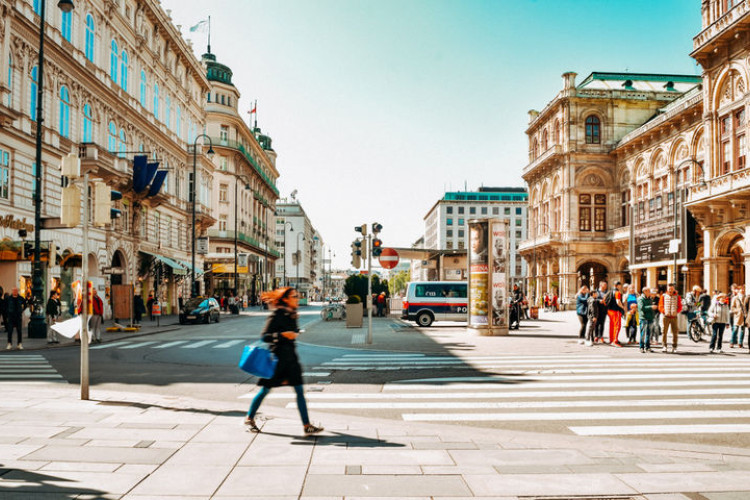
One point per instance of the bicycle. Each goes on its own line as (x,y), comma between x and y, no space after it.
(697,327)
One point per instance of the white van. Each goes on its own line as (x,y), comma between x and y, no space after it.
(428,301)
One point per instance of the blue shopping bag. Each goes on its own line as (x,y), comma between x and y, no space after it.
(258,361)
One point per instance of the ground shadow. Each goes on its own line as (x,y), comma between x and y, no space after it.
(147,406)
(336,439)
(41,486)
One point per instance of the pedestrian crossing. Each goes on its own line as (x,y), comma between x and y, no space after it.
(588,395)
(27,367)
(222,343)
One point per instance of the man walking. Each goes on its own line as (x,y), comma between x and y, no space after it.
(670,306)
(54,309)
(14,307)
(646,313)
(739,315)
(601,312)
(615,310)
(95,322)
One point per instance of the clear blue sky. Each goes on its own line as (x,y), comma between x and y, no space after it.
(377,107)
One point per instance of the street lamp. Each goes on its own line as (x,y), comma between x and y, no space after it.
(299,257)
(37,325)
(210,153)
(291,229)
(236,203)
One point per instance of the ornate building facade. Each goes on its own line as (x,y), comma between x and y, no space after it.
(120,80)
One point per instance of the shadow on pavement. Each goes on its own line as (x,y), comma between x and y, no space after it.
(337,439)
(33,485)
(147,406)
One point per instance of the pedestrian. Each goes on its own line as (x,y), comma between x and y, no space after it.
(615,310)
(718,316)
(54,309)
(656,325)
(14,307)
(180,302)
(670,305)
(138,309)
(601,312)
(3,314)
(631,304)
(244,301)
(381,304)
(150,305)
(738,308)
(582,309)
(280,332)
(593,308)
(646,313)
(704,302)
(97,315)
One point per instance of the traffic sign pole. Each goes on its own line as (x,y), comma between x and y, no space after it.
(369,289)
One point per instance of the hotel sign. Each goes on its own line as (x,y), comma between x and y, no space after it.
(11,222)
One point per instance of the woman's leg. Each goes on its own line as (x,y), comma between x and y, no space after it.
(583,320)
(257,400)
(302,404)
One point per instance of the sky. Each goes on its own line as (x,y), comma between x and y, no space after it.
(376,108)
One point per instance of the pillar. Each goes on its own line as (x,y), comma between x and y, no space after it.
(717,274)
(652,276)
(694,276)
(746,263)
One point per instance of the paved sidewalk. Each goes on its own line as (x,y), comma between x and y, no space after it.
(131,446)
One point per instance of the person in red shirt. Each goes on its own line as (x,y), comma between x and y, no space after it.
(670,306)
(95,322)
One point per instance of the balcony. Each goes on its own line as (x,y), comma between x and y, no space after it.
(621,233)
(226,143)
(546,157)
(733,184)
(241,238)
(721,31)
(551,238)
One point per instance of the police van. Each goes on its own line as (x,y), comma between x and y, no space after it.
(428,301)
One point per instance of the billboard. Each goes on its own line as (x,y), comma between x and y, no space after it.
(488,276)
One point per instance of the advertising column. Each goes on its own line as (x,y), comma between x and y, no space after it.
(488,309)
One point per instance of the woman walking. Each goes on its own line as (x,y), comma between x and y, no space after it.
(582,308)
(280,332)
(718,316)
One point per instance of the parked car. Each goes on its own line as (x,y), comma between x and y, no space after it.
(200,309)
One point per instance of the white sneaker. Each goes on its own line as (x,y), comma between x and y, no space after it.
(720,351)
(581,341)
(664,349)
(674,350)
(711,351)
(9,346)
(20,347)
(589,343)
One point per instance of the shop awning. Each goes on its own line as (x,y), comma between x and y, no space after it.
(188,265)
(176,267)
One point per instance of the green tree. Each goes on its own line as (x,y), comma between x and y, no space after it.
(398,282)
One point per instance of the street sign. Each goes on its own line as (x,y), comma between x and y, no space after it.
(202,245)
(674,245)
(388,258)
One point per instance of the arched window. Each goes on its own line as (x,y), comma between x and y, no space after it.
(593,130)
(123,143)
(67,23)
(168,112)
(112,142)
(33,91)
(535,150)
(144,84)
(114,59)
(156,101)
(557,132)
(545,140)
(124,71)
(178,122)
(88,129)
(10,82)
(64,118)
(89,48)
(38,7)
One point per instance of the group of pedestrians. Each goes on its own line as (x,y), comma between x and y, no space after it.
(654,313)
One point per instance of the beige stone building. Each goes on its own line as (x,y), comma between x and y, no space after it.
(120,79)
(669,168)
(244,193)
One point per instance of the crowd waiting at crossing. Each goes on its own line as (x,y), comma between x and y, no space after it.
(650,318)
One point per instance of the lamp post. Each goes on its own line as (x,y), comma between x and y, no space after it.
(210,153)
(291,229)
(236,203)
(37,325)
(299,257)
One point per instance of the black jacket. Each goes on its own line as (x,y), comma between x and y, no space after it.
(14,307)
(53,307)
(288,371)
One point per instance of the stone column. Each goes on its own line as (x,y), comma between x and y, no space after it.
(746,263)
(652,276)
(717,274)
(694,276)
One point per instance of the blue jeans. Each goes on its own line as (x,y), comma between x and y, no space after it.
(263,392)
(734,334)
(646,327)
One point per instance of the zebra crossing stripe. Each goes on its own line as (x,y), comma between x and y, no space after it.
(36,369)
(196,345)
(631,430)
(558,385)
(565,416)
(15,376)
(108,345)
(139,344)
(229,344)
(169,344)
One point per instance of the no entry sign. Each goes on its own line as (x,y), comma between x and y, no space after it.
(388,258)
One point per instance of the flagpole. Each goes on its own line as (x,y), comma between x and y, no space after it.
(209,34)
(256,113)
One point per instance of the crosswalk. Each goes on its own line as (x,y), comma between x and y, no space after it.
(591,395)
(27,367)
(177,344)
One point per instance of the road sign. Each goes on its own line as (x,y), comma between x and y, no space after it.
(388,258)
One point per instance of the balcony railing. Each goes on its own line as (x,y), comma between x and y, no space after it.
(227,143)
(546,156)
(720,27)
(718,186)
(241,237)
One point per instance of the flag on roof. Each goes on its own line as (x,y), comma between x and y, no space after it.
(201,27)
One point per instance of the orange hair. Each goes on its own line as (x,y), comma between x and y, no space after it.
(276,297)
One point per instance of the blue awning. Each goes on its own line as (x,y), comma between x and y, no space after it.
(176,267)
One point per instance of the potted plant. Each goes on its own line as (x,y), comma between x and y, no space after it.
(354,312)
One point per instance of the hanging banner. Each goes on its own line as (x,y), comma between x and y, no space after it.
(478,275)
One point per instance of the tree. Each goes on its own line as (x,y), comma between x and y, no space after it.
(399,281)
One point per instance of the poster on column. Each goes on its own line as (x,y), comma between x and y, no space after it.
(499,277)
(478,275)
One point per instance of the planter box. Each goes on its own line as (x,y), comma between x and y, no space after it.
(354,315)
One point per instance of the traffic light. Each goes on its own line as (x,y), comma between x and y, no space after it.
(356,259)
(103,198)
(361,229)
(377,247)
(376,228)
(28,250)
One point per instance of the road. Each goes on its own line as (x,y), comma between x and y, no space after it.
(691,398)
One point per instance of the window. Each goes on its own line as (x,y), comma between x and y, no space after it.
(518,235)
(448,245)
(124,71)
(741,151)
(178,122)
(726,155)
(484,210)
(506,211)
(168,112)
(4,174)
(10,82)
(460,210)
(519,222)
(33,91)
(740,142)
(448,222)
(89,47)
(114,62)
(123,145)
(495,211)
(461,245)
(472,210)
(449,233)
(157,226)
(624,207)
(67,21)
(224,133)
(461,233)
(144,84)
(223,222)
(519,211)
(584,212)
(460,222)
(593,130)
(112,141)
(38,7)
(545,140)
(64,118)
(600,219)
(223,193)
(156,101)
(88,129)
(448,210)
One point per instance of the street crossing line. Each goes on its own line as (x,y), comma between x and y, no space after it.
(28,367)
(169,344)
(228,344)
(139,344)
(196,345)
(608,416)
(631,430)
(108,345)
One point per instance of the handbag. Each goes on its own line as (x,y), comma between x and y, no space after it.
(258,361)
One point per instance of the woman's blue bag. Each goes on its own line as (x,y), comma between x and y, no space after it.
(258,361)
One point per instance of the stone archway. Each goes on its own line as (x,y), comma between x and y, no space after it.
(727,265)
(119,263)
(590,273)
